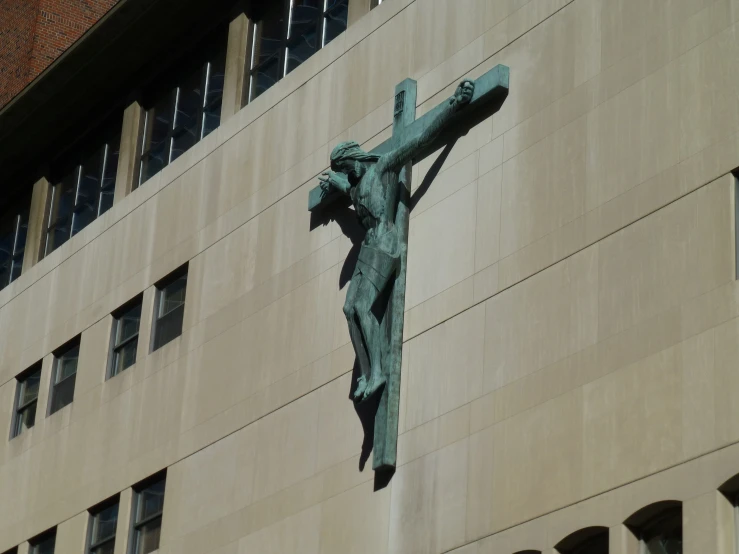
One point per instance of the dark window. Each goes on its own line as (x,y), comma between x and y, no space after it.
(125,337)
(26,398)
(590,540)
(64,376)
(664,534)
(103,522)
(11,551)
(147,516)
(287,34)
(84,192)
(169,308)
(186,112)
(43,544)
(659,528)
(375,3)
(13,232)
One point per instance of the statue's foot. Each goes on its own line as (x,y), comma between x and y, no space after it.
(376,382)
(361,387)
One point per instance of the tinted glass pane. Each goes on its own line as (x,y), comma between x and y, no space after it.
(20,244)
(153,162)
(216,75)
(151,500)
(7,240)
(187,120)
(67,363)
(336,18)
(302,48)
(147,537)
(169,327)
(265,76)
(45,547)
(64,195)
(173,295)
(661,545)
(104,524)
(128,324)
(270,33)
(63,394)
(109,173)
(158,123)
(29,387)
(107,548)
(125,357)
(211,118)
(27,417)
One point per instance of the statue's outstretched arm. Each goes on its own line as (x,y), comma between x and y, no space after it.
(405,153)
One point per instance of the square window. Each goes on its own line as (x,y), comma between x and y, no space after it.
(103,523)
(26,398)
(64,376)
(43,544)
(169,308)
(125,339)
(148,506)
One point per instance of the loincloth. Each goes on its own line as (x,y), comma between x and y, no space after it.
(377,266)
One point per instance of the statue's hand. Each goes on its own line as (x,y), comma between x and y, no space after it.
(331,180)
(464,93)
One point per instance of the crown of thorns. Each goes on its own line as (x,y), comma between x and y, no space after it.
(350,150)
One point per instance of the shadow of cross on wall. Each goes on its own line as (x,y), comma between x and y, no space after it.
(377,184)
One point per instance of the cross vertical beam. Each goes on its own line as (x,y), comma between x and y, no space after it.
(386,419)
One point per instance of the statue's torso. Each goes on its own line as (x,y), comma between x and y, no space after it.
(372,202)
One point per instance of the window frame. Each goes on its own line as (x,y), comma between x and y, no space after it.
(94,512)
(136,525)
(286,42)
(216,46)
(18,409)
(115,345)
(17,255)
(160,287)
(35,542)
(103,149)
(58,357)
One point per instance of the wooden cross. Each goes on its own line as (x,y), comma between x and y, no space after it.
(490,91)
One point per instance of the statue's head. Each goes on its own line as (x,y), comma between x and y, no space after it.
(348,158)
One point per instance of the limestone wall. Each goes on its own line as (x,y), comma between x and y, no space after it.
(572,331)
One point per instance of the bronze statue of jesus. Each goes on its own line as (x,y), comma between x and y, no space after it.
(372,182)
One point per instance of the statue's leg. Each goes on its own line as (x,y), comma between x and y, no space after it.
(371,332)
(355,333)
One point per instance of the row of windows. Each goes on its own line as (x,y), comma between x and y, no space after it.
(186,108)
(166,326)
(146,523)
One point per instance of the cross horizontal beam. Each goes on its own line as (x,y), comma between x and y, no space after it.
(491,90)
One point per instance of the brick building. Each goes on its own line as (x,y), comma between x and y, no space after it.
(33,33)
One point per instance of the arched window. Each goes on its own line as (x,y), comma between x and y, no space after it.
(659,528)
(591,540)
(730,489)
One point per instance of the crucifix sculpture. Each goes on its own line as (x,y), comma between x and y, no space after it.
(378,185)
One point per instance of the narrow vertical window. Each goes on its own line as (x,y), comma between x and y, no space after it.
(336,16)
(102,528)
(169,308)
(268,48)
(375,3)
(659,528)
(13,232)
(186,113)
(64,377)
(147,516)
(125,339)
(43,544)
(85,192)
(26,398)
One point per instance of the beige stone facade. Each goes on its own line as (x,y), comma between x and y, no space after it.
(572,322)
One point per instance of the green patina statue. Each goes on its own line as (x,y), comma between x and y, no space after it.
(378,185)
(372,182)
